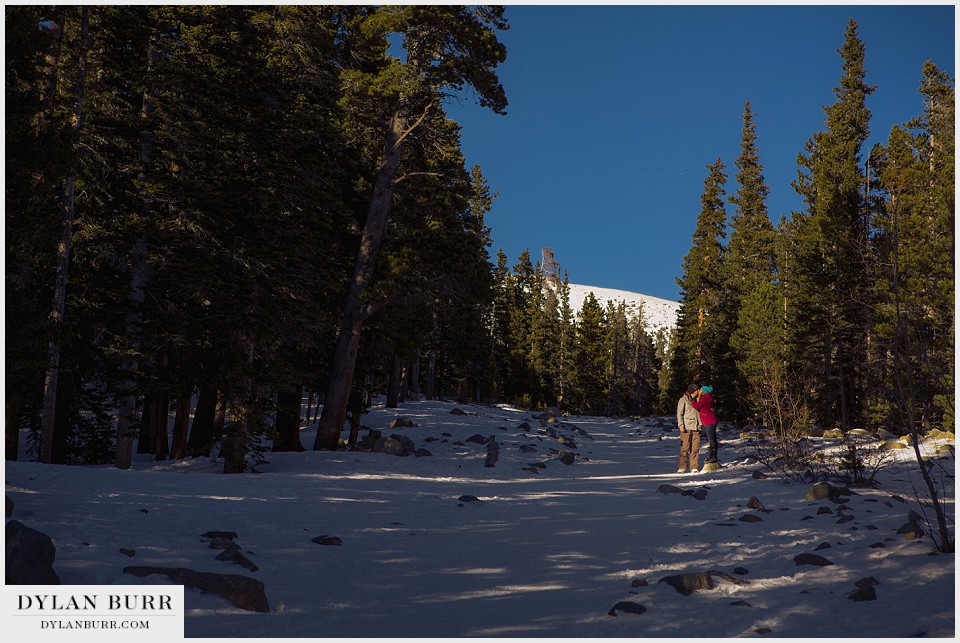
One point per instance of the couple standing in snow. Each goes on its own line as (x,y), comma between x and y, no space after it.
(695,413)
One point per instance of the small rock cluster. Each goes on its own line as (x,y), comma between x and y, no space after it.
(243,592)
(838,507)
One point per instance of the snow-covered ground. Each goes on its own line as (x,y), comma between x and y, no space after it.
(544,554)
(658,313)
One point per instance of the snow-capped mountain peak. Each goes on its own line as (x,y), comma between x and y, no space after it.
(658,313)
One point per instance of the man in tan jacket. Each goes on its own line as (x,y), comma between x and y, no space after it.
(688,419)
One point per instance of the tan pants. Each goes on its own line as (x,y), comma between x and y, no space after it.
(689,450)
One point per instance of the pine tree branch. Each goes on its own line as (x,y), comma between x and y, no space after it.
(406,176)
(416,124)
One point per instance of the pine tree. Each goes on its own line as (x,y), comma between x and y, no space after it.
(549,333)
(520,384)
(536,355)
(750,250)
(565,344)
(498,327)
(644,367)
(34,42)
(591,360)
(915,242)
(620,378)
(64,248)
(436,260)
(830,316)
(446,49)
(699,341)
(749,267)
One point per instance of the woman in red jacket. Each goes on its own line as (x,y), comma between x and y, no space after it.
(704,404)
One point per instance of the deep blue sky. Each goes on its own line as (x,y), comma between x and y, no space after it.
(615,112)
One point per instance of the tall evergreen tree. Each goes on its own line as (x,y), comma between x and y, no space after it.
(749,267)
(435,259)
(446,48)
(915,241)
(591,360)
(565,344)
(498,327)
(619,376)
(64,247)
(35,157)
(699,342)
(521,374)
(830,314)
(644,367)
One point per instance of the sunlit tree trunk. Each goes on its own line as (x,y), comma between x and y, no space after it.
(51,378)
(348,342)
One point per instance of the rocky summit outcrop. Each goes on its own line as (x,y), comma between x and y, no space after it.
(242,591)
(30,556)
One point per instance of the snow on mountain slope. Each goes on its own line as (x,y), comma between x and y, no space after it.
(659,313)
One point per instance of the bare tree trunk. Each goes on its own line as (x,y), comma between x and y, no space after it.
(51,379)
(404,381)
(220,416)
(393,386)
(201,433)
(316,409)
(161,426)
(129,365)
(430,380)
(355,412)
(414,379)
(181,423)
(146,427)
(288,420)
(12,445)
(244,415)
(348,342)
(310,398)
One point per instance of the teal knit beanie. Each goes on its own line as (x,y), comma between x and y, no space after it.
(706,389)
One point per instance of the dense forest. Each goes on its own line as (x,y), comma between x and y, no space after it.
(214,211)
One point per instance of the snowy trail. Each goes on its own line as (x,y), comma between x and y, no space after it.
(543,555)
